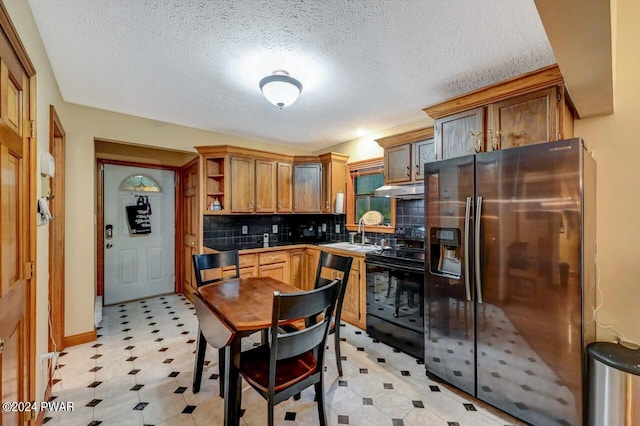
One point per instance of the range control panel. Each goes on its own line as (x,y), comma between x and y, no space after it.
(408,233)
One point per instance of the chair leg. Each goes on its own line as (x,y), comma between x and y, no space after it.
(270,405)
(221,367)
(201,348)
(322,415)
(337,347)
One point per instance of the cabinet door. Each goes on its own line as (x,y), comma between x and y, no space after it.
(351,304)
(524,120)
(423,152)
(298,277)
(313,256)
(307,185)
(265,184)
(278,271)
(454,133)
(397,164)
(285,188)
(242,185)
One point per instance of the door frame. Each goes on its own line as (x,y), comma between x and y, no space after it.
(57,145)
(100,218)
(30,166)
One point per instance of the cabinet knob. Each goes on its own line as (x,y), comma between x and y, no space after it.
(408,171)
(1,344)
(417,169)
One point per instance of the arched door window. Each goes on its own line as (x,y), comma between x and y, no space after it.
(140,183)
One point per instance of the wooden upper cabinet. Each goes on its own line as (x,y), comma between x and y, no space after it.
(524,110)
(265,186)
(242,185)
(461,134)
(524,120)
(406,153)
(285,187)
(397,164)
(307,187)
(334,179)
(253,185)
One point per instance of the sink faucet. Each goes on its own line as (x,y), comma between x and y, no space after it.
(361,222)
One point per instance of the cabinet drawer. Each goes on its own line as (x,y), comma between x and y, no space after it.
(247,260)
(272,257)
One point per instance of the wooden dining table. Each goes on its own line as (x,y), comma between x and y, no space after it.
(228,311)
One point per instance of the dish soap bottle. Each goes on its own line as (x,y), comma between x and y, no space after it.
(216,205)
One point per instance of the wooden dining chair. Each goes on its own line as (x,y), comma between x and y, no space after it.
(291,361)
(334,265)
(207,269)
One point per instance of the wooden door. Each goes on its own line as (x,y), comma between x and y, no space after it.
(266,186)
(455,133)
(397,164)
(15,271)
(423,152)
(242,185)
(285,188)
(191,214)
(524,120)
(307,186)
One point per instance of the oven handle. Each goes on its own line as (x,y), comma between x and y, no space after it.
(477,248)
(467,231)
(393,267)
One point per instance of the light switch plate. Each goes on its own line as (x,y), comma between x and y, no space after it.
(245,229)
(337,228)
(274,229)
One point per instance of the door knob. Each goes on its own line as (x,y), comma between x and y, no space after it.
(109,245)
(1,344)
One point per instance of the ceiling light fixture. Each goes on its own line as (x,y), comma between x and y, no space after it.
(280,89)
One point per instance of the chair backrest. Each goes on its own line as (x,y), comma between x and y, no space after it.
(205,262)
(315,306)
(337,263)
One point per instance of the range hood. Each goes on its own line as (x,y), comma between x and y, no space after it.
(401,191)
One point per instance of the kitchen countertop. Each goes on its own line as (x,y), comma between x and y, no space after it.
(278,245)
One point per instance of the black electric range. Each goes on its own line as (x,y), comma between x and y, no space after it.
(395,292)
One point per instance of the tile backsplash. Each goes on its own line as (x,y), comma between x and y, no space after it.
(226,231)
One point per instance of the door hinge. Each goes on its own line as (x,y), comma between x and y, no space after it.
(558,95)
(32,129)
(29,270)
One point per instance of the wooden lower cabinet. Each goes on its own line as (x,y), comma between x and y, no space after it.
(352,306)
(297,269)
(274,264)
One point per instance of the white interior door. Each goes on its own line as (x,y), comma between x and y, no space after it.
(138,265)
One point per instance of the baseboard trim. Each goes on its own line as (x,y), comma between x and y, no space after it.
(78,339)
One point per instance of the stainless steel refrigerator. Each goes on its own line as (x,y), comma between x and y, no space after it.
(510,277)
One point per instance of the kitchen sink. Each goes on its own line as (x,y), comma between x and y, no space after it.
(352,247)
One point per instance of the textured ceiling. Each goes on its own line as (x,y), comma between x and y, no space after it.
(368,64)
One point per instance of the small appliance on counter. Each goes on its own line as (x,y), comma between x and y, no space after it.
(310,232)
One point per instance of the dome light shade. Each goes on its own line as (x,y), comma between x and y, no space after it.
(280,89)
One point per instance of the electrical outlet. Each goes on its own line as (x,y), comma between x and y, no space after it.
(245,229)
(337,228)
(274,229)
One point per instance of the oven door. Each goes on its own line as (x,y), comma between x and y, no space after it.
(395,305)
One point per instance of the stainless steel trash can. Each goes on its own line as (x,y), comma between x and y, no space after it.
(614,384)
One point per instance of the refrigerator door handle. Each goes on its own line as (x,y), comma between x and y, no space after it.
(477,248)
(467,231)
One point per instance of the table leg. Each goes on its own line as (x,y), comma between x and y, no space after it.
(233,383)
(201,348)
